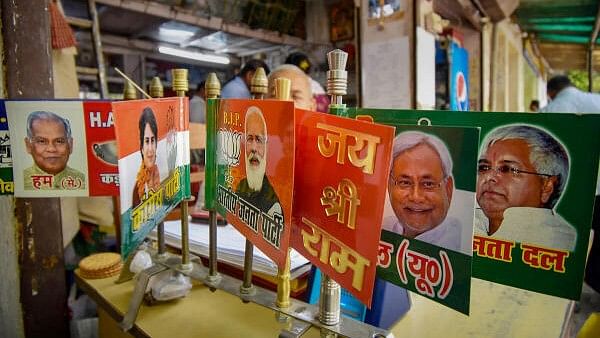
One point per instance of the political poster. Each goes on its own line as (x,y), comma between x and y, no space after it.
(427,238)
(341,165)
(154,163)
(69,145)
(6,177)
(255,171)
(536,176)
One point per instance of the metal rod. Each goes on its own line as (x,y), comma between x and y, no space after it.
(329,302)
(213,90)
(156,91)
(212,243)
(283,283)
(246,287)
(160,237)
(179,84)
(283,88)
(185,236)
(337,84)
(258,87)
(134,84)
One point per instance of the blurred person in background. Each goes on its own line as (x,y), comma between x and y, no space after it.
(534,106)
(301,61)
(568,99)
(198,104)
(239,86)
(301,91)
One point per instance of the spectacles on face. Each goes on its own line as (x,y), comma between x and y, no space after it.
(43,142)
(505,170)
(405,184)
(257,139)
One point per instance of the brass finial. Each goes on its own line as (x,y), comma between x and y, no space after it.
(283,87)
(180,80)
(156,87)
(337,76)
(129,92)
(259,86)
(283,284)
(212,86)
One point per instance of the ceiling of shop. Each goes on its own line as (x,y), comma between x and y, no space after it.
(562,29)
(215,27)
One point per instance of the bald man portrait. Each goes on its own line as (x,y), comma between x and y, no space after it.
(50,143)
(301,92)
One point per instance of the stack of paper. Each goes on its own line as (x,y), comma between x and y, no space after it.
(230,248)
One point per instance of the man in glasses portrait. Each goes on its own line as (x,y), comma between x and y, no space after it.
(256,188)
(420,189)
(50,144)
(522,172)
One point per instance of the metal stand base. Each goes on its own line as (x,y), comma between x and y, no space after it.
(296,330)
(138,295)
(298,310)
(126,274)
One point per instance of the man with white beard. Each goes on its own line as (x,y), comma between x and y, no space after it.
(256,188)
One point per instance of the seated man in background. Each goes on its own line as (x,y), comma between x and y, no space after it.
(522,173)
(239,86)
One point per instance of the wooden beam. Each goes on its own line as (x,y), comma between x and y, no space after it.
(189,17)
(563,56)
(471,13)
(79,22)
(498,10)
(28,62)
(457,11)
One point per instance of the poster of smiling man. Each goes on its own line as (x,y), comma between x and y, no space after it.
(535,192)
(428,221)
(51,137)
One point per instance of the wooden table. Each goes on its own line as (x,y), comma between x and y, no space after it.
(496,311)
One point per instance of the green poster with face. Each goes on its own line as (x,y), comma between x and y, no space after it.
(536,179)
(426,245)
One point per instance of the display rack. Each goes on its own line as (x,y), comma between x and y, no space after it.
(325,316)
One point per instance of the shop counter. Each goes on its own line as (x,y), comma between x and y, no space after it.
(496,311)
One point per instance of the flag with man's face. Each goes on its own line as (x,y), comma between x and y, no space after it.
(536,177)
(255,170)
(427,238)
